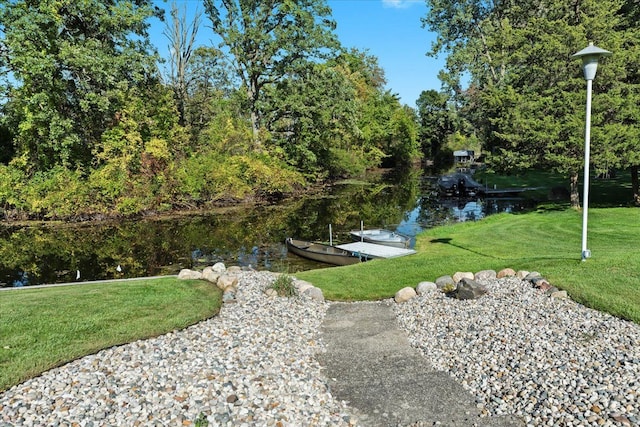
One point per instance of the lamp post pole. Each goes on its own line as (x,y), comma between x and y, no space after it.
(589,56)
(586,253)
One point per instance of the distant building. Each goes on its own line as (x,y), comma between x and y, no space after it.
(464,156)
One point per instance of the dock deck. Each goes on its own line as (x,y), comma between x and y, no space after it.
(376,251)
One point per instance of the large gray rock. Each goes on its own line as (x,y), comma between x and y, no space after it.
(443,281)
(426,287)
(302,286)
(314,293)
(469,289)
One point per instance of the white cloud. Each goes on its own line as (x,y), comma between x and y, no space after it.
(400,4)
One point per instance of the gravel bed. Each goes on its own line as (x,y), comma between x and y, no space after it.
(551,361)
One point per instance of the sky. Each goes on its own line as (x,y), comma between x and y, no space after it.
(387,29)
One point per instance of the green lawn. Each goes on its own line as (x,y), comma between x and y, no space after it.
(547,241)
(46,327)
(43,328)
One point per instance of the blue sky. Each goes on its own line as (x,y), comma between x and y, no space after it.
(387,29)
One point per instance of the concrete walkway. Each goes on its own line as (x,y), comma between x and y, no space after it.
(372,366)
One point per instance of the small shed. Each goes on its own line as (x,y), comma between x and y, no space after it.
(464,156)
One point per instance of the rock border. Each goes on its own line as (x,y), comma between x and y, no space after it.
(227,280)
(464,285)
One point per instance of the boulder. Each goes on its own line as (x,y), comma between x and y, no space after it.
(227,281)
(405,294)
(219,267)
(210,275)
(314,293)
(229,295)
(469,289)
(559,295)
(459,275)
(302,285)
(506,272)
(271,293)
(443,281)
(521,274)
(234,269)
(186,274)
(426,287)
(531,276)
(485,275)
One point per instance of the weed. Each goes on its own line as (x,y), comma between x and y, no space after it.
(284,286)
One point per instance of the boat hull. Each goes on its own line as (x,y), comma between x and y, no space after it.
(380,237)
(322,253)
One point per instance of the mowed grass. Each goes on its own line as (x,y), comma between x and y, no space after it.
(547,241)
(47,327)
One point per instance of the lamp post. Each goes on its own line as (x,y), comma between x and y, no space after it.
(590,56)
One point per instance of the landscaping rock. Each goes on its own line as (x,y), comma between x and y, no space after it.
(485,275)
(227,281)
(426,287)
(521,274)
(210,275)
(302,285)
(219,267)
(459,275)
(314,293)
(405,294)
(533,275)
(506,272)
(186,274)
(559,295)
(469,289)
(443,281)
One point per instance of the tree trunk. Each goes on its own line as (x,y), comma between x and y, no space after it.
(575,194)
(634,185)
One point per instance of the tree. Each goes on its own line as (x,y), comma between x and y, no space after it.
(528,95)
(182,37)
(267,40)
(72,62)
(437,121)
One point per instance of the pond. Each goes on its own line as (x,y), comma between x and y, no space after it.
(244,235)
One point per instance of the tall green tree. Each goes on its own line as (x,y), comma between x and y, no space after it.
(71,62)
(268,40)
(437,121)
(527,93)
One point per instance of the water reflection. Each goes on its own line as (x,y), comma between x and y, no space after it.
(243,235)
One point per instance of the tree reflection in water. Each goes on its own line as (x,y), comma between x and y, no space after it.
(243,235)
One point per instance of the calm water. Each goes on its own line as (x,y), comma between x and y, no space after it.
(240,236)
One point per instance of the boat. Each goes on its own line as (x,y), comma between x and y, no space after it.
(380,236)
(324,253)
(459,184)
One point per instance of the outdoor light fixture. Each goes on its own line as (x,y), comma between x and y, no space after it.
(590,56)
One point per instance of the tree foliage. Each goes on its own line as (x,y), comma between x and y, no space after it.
(527,94)
(268,40)
(71,61)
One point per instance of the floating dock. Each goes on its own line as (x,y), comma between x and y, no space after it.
(376,251)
